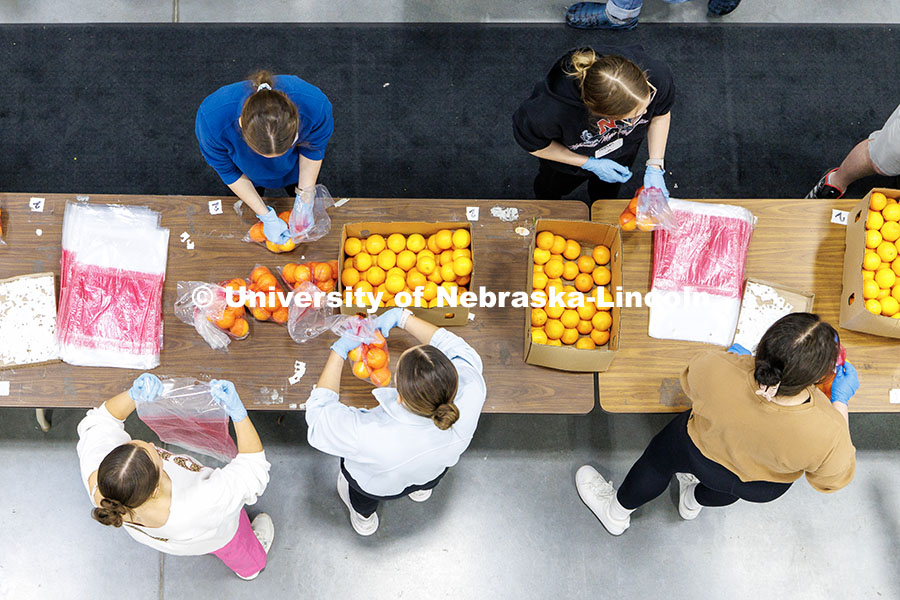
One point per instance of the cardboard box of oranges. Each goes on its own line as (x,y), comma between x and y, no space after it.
(591,256)
(870,299)
(392,257)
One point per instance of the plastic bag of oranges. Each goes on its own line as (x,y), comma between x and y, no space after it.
(370,359)
(257,235)
(648,211)
(321,274)
(204,306)
(307,221)
(310,321)
(270,302)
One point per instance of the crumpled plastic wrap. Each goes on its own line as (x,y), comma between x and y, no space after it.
(201,305)
(309,220)
(308,322)
(370,360)
(705,257)
(186,415)
(111,277)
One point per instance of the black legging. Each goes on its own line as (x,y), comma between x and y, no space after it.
(365,503)
(672,451)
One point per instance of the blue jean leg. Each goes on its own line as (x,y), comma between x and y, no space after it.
(623,11)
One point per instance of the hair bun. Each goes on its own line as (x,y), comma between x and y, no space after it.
(110,512)
(767,373)
(445,415)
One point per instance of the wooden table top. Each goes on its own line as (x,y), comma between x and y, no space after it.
(794,244)
(261,365)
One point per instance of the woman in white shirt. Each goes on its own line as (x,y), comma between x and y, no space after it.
(419,428)
(170,502)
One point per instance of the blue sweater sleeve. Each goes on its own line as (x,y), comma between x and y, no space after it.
(214,152)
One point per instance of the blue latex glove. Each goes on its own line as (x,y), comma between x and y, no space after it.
(388,321)
(655,177)
(738,349)
(343,345)
(275,229)
(607,170)
(226,396)
(145,388)
(845,384)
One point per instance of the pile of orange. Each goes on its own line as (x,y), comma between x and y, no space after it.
(256,234)
(400,263)
(233,321)
(881,263)
(321,274)
(565,266)
(269,307)
(628,220)
(370,361)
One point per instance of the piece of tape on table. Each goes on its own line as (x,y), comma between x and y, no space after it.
(472,213)
(215,207)
(4,388)
(36,204)
(895,396)
(839,217)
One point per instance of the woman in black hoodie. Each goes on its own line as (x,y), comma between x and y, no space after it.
(587,119)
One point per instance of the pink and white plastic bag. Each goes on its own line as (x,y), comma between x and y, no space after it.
(111,278)
(698,272)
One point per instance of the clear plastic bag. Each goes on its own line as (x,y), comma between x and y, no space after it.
(321,274)
(186,415)
(204,306)
(309,219)
(653,211)
(370,359)
(308,322)
(256,235)
(273,305)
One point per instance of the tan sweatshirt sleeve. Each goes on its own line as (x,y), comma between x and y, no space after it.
(837,469)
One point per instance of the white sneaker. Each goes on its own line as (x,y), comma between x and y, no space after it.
(686,483)
(597,494)
(420,496)
(362,525)
(265,532)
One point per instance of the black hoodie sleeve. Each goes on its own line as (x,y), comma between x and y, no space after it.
(532,128)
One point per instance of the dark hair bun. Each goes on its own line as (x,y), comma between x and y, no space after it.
(110,512)
(767,373)
(445,415)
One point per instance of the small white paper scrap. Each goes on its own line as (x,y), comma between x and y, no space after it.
(82,198)
(895,396)
(292,406)
(385,85)
(472,213)
(505,214)
(299,365)
(39,232)
(185,236)
(341,202)
(36,204)
(522,231)
(4,388)
(839,217)
(215,207)
(471,316)
(190,244)
(299,372)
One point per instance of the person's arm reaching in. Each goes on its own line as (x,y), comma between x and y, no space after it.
(604,168)
(657,137)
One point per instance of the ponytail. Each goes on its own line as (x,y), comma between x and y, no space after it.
(110,512)
(445,415)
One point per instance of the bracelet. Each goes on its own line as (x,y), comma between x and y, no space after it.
(405,314)
(656,162)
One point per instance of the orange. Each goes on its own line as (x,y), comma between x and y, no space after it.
(584,327)
(461,238)
(890,306)
(435,276)
(870,289)
(364,286)
(539,281)
(334,267)
(386,259)
(285,216)
(538,336)
(287,271)
(627,221)
(446,257)
(868,274)
(874,220)
(541,256)
(887,252)
(258,272)
(871,261)
(895,292)
(379,341)
(415,279)
(573,249)
(891,213)
(600,255)
(227,321)
(544,240)
(584,282)
(443,239)
(599,337)
(601,276)
(426,264)
(361,370)
(537,269)
(447,273)
(885,278)
(883,294)
(554,268)
(395,284)
(559,245)
(256,233)
(260,314)
(554,343)
(873,306)
(538,317)
(462,266)
(569,337)
(396,272)
(601,321)
(457,252)
(553,311)
(890,231)
(381,377)
(362,261)
(287,246)
(350,277)
(396,242)
(431,244)
(878,201)
(281,315)
(607,300)
(554,329)
(873,238)
(375,244)
(415,242)
(570,270)
(376,358)
(430,291)
(322,272)
(569,318)
(587,312)
(348,262)
(352,246)
(895,267)
(406,260)
(240,328)
(586,264)
(266,282)
(326,285)
(554,284)
(585,343)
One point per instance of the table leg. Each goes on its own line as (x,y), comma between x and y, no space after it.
(42,419)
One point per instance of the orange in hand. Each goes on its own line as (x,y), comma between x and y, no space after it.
(376,358)
(256,233)
(361,370)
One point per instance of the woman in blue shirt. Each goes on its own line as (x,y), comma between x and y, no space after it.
(419,429)
(268,131)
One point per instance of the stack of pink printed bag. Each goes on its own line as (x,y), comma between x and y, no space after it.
(111,278)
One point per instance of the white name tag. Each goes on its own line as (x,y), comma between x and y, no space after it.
(611,147)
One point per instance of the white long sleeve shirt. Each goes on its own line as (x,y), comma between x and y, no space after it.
(206,502)
(388,448)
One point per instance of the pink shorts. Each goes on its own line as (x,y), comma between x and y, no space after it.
(243,554)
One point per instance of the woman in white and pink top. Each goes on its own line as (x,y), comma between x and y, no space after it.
(172,502)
